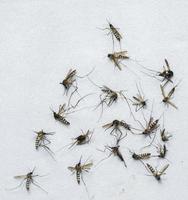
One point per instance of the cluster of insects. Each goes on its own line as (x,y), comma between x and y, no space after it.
(117,128)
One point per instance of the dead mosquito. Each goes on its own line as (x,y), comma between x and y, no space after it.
(167,98)
(116,126)
(161,150)
(114,33)
(114,151)
(140,156)
(157,173)
(66,110)
(164,135)
(166,75)
(28,179)
(81,139)
(139,100)
(43,141)
(79,169)
(109,97)
(70,80)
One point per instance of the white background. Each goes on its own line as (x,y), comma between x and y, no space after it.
(40,40)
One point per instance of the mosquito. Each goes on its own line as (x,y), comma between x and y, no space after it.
(157,173)
(164,135)
(114,150)
(109,97)
(64,111)
(84,138)
(114,33)
(140,156)
(167,98)
(139,100)
(166,75)
(42,141)
(70,80)
(79,169)
(116,57)
(28,179)
(116,127)
(161,150)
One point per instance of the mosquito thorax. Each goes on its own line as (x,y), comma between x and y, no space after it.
(115,122)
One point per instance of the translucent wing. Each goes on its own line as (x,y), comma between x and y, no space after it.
(20,176)
(163,169)
(107,125)
(87,166)
(168,67)
(71,169)
(121,53)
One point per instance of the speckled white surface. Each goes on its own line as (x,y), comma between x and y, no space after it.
(39,41)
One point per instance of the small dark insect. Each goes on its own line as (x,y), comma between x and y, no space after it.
(42,141)
(114,151)
(70,80)
(79,169)
(164,135)
(161,150)
(114,33)
(167,74)
(116,57)
(157,174)
(61,115)
(81,139)
(166,98)
(64,111)
(109,97)
(141,156)
(116,125)
(139,100)
(28,179)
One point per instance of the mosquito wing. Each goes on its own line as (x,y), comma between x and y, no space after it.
(107,125)
(163,169)
(87,166)
(121,53)
(162,90)
(20,176)
(71,169)
(167,64)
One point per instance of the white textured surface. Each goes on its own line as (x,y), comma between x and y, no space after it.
(39,41)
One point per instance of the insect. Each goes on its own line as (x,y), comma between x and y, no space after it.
(114,151)
(166,75)
(114,33)
(42,141)
(81,139)
(28,179)
(164,135)
(116,57)
(162,150)
(64,111)
(167,98)
(157,173)
(70,80)
(79,169)
(139,100)
(109,97)
(116,125)
(141,156)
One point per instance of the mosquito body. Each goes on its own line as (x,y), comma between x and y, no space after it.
(157,173)
(162,150)
(166,75)
(164,135)
(79,169)
(115,151)
(43,141)
(141,156)
(61,115)
(139,101)
(116,58)
(116,126)
(28,179)
(167,98)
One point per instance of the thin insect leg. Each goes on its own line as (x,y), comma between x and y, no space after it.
(85,185)
(18,185)
(50,152)
(87,73)
(103,159)
(112,40)
(34,183)
(150,142)
(76,88)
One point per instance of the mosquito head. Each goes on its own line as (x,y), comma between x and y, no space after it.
(158,177)
(110,55)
